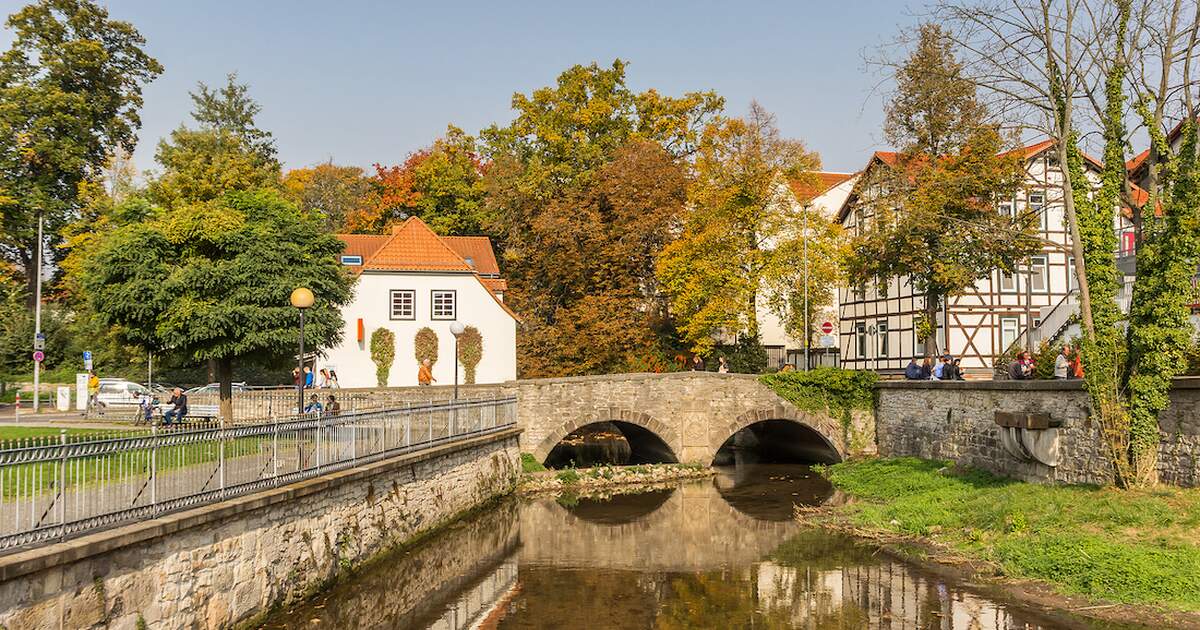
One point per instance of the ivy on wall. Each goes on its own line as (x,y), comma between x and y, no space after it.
(470,351)
(383,353)
(425,345)
(825,390)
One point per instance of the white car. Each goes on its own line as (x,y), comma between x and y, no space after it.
(117,392)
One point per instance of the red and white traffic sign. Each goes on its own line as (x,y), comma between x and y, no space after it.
(826,327)
(39,356)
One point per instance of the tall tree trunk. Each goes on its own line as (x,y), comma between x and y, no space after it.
(225,379)
(931,310)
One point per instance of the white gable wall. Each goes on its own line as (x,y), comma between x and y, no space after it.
(372,302)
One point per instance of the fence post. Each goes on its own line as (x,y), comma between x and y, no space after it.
(408,424)
(153,466)
(62,482)
(221,462)
(353,440)
(318,449)
(275,448)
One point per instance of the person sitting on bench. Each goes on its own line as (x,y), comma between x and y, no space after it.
(180,409)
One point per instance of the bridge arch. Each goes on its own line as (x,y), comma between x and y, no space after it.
(816,436)
(608,414)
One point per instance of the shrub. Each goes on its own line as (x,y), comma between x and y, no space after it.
(470,351)
(825,389)
(383,353)
(529,463)
(426,346)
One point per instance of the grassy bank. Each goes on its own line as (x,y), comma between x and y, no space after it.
(1137,547)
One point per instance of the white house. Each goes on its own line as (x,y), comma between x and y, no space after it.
(824,192)
(877,321)
(412,279)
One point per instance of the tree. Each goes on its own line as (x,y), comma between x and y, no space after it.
(227,153)
(383,354)
(443,185)
(70,90)
(932,216)
(335,192)
(742,237)
(211,280)
(470,352)
(584,187)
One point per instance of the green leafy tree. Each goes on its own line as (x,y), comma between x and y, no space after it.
(742,238)
(211,280)
(70,89)
(336,192)
(470,352)
(383,354)
(230,108)
(932,216)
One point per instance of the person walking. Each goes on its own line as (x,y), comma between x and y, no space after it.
(912,371)
(723,365)
(1062,363)
(179,407)
(93,389)
(697,364)
(425,373)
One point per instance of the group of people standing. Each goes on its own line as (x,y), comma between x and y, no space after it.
(1068,364)
(325,379)
(946,368)
(697,364)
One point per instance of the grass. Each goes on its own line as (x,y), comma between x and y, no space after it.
(530,464)
(19,433)
(1127,546)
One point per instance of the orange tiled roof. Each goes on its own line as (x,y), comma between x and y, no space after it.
(478,249)
(364,245)
(495,285)
(815,184)
(412,246)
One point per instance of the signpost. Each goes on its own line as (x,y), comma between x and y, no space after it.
(39,356)
(39,341)
(826,327)
(87,360)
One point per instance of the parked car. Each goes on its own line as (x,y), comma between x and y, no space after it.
(204,401)
(118,392)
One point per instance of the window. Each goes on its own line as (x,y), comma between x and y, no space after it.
(1037,265)
(1037,204)
(1005,207)
(404,304)
(1008,332)
(1008,281)
(882,330)
(1072,277)
(860,334)
(443,304)
(351,260)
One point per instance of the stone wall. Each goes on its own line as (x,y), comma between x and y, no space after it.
(955,421)
(220,564)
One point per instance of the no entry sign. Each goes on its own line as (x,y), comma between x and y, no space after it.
(826,327)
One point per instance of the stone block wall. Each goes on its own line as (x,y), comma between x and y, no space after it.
(955,421)
(218,565)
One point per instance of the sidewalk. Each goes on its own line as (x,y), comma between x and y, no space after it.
(64,419)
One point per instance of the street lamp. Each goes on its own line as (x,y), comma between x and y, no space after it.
(302,299)
(456,329)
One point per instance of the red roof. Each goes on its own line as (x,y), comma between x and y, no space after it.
(412,246)
(476,248)
(364,245)
(812,185)
(496,285)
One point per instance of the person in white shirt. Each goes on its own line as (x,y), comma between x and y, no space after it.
(1062,363)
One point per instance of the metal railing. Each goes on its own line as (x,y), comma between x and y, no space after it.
(52,489)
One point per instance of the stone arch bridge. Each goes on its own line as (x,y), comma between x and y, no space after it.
(694,413)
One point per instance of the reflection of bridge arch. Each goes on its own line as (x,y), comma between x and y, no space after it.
(608,414)
(618,510)
(694,530)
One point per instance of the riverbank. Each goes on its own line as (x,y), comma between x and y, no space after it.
(1129,556)
(606,477)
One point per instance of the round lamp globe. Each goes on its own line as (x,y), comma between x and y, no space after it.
(302,298)
(456,328)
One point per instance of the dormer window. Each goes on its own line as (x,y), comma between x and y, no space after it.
(352,260)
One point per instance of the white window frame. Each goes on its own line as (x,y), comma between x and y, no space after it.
(1040,208)
(1034,266)
(1008,281)
(1016,331)
(438,298)
(1072,277)
(860,339)
(407,303)
(1006,207)
(881,344)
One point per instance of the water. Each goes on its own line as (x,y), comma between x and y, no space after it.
(722,553)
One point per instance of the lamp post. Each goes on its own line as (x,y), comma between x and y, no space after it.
(456,329)
(301,298)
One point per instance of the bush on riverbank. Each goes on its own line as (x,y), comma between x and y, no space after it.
(825,389)
(1129,546)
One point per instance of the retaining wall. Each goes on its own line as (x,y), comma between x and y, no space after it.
(217,565)
(956,421)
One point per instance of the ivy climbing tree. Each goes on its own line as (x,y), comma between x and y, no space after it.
(383,353)
(470,351)
(425,345)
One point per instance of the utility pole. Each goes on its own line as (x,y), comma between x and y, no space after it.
(807,319)
(37,319)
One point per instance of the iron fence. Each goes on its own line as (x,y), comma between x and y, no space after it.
(54,488)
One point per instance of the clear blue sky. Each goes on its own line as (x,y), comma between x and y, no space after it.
(364,82)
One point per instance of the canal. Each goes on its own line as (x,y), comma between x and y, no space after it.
(721,553)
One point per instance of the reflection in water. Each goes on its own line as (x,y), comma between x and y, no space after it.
(704,555)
